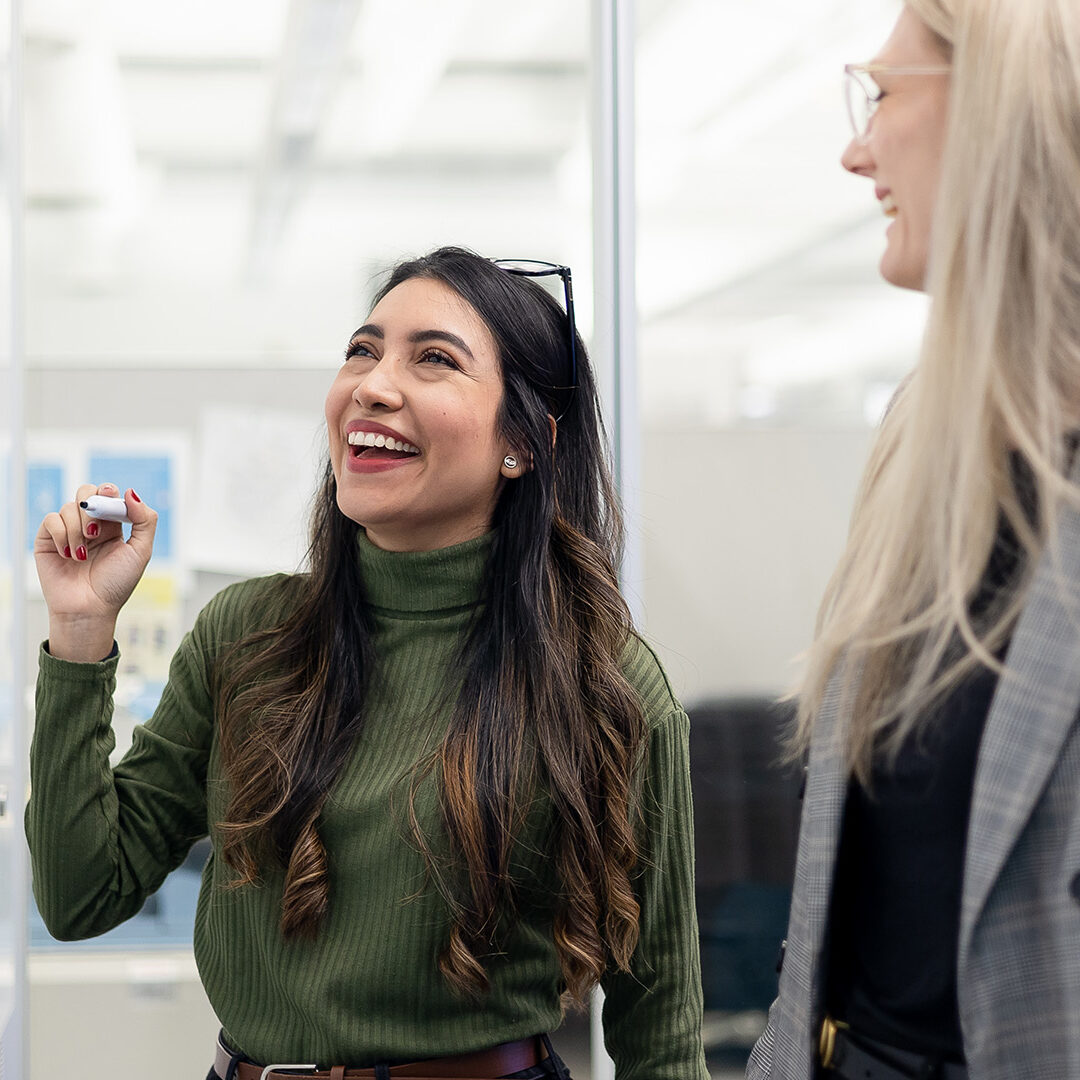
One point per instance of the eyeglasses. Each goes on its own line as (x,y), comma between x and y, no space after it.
(862,93)
(537,268)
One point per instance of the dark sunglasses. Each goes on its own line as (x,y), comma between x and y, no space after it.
(537,268)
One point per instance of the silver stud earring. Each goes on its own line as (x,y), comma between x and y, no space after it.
(510,461)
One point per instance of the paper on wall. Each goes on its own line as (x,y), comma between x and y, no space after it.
(256,473)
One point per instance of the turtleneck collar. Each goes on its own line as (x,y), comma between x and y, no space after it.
(423,581)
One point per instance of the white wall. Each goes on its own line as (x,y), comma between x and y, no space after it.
(742,528)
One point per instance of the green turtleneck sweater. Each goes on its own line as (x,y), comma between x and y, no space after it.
(367,988)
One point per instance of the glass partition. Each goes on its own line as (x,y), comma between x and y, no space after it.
(212,193)
(12,720)
(763,370)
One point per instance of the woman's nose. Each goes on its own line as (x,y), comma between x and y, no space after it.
(856,157)
(379,387)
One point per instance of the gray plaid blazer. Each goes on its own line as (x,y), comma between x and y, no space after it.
(1018,968)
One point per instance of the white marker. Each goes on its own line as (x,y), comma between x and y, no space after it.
(105,508)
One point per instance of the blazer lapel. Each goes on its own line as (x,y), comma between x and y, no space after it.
(799,1005)
(823,806)
(1031,715)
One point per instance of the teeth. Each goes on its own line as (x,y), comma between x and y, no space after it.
(888,207)
(369,438)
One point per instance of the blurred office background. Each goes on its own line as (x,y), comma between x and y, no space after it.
(199,200)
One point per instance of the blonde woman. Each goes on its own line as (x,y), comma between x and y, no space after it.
(935,922)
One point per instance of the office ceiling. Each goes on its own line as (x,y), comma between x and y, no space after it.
(219,183)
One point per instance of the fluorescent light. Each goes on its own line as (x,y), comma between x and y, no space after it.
(313,55)
(404,48)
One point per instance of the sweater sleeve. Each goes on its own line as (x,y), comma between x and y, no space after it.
(103,839)
(652,1015)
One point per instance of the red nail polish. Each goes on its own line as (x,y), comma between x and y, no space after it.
(67,551)
(80,553)
(134,496)
(92,529)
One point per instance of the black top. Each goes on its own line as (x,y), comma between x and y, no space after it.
(895,920)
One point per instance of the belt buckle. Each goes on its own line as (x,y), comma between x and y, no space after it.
(827,1040)
(282,1067)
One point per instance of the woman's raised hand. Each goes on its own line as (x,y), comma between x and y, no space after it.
(87,571)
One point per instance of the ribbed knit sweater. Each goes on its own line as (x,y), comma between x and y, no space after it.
(367,989)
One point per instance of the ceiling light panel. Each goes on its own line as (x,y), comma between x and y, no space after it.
(198,28)
(208,120)
(555,31)
(474,114)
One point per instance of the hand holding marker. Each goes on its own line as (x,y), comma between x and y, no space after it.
(106,508)
(88,570)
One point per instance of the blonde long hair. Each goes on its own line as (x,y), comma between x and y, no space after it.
(998,379)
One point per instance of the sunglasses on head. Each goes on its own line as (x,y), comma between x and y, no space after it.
(534,268)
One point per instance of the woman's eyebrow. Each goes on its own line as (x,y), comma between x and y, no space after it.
(368,330)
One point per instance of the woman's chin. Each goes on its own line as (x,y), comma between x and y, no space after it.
(901,272)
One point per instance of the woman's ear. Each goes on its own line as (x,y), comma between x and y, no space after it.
(515,465)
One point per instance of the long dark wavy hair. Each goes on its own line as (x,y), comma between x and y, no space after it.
(543,699)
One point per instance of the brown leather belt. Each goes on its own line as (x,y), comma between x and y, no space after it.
(500,1060)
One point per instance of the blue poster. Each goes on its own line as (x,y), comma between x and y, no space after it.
(152,479)
(44,493)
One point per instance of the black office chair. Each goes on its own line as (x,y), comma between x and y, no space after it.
(746,816)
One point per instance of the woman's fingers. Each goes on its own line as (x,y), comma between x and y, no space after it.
(143,525)
(97,529)
(54,531)
(74,526)
(96,572)
(75,533)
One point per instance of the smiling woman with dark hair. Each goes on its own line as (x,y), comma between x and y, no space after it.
(446,783)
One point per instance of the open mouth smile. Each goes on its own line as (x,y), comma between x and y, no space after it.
(371,446)
(378,451)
